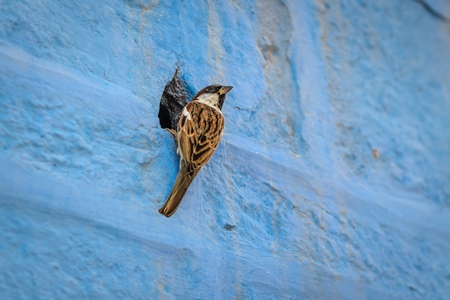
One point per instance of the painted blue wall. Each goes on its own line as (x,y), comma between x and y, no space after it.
(334,167)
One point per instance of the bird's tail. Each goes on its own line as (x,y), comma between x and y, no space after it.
(179,189)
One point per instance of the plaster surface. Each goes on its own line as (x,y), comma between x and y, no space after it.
(331,181)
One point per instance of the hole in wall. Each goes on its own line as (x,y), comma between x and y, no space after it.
(173,99)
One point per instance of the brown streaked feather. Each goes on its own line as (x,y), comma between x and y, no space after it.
(198,140)
(198,137)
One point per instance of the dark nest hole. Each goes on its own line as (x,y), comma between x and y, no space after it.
(173,99)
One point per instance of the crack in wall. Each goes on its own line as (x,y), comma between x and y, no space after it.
(280,107)
(435,13)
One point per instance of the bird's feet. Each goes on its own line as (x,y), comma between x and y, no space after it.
(173,132)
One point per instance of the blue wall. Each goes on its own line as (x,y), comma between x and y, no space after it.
(334,167)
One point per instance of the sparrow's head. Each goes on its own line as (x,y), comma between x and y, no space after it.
(213,95)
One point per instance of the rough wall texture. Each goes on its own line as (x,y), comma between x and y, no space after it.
(334,169)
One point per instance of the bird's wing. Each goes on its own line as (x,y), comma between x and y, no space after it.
(200,131)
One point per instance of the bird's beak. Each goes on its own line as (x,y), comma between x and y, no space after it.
(225,89)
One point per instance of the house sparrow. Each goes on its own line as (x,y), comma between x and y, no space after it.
(198,134)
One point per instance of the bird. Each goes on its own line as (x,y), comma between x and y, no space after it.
(199,131)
